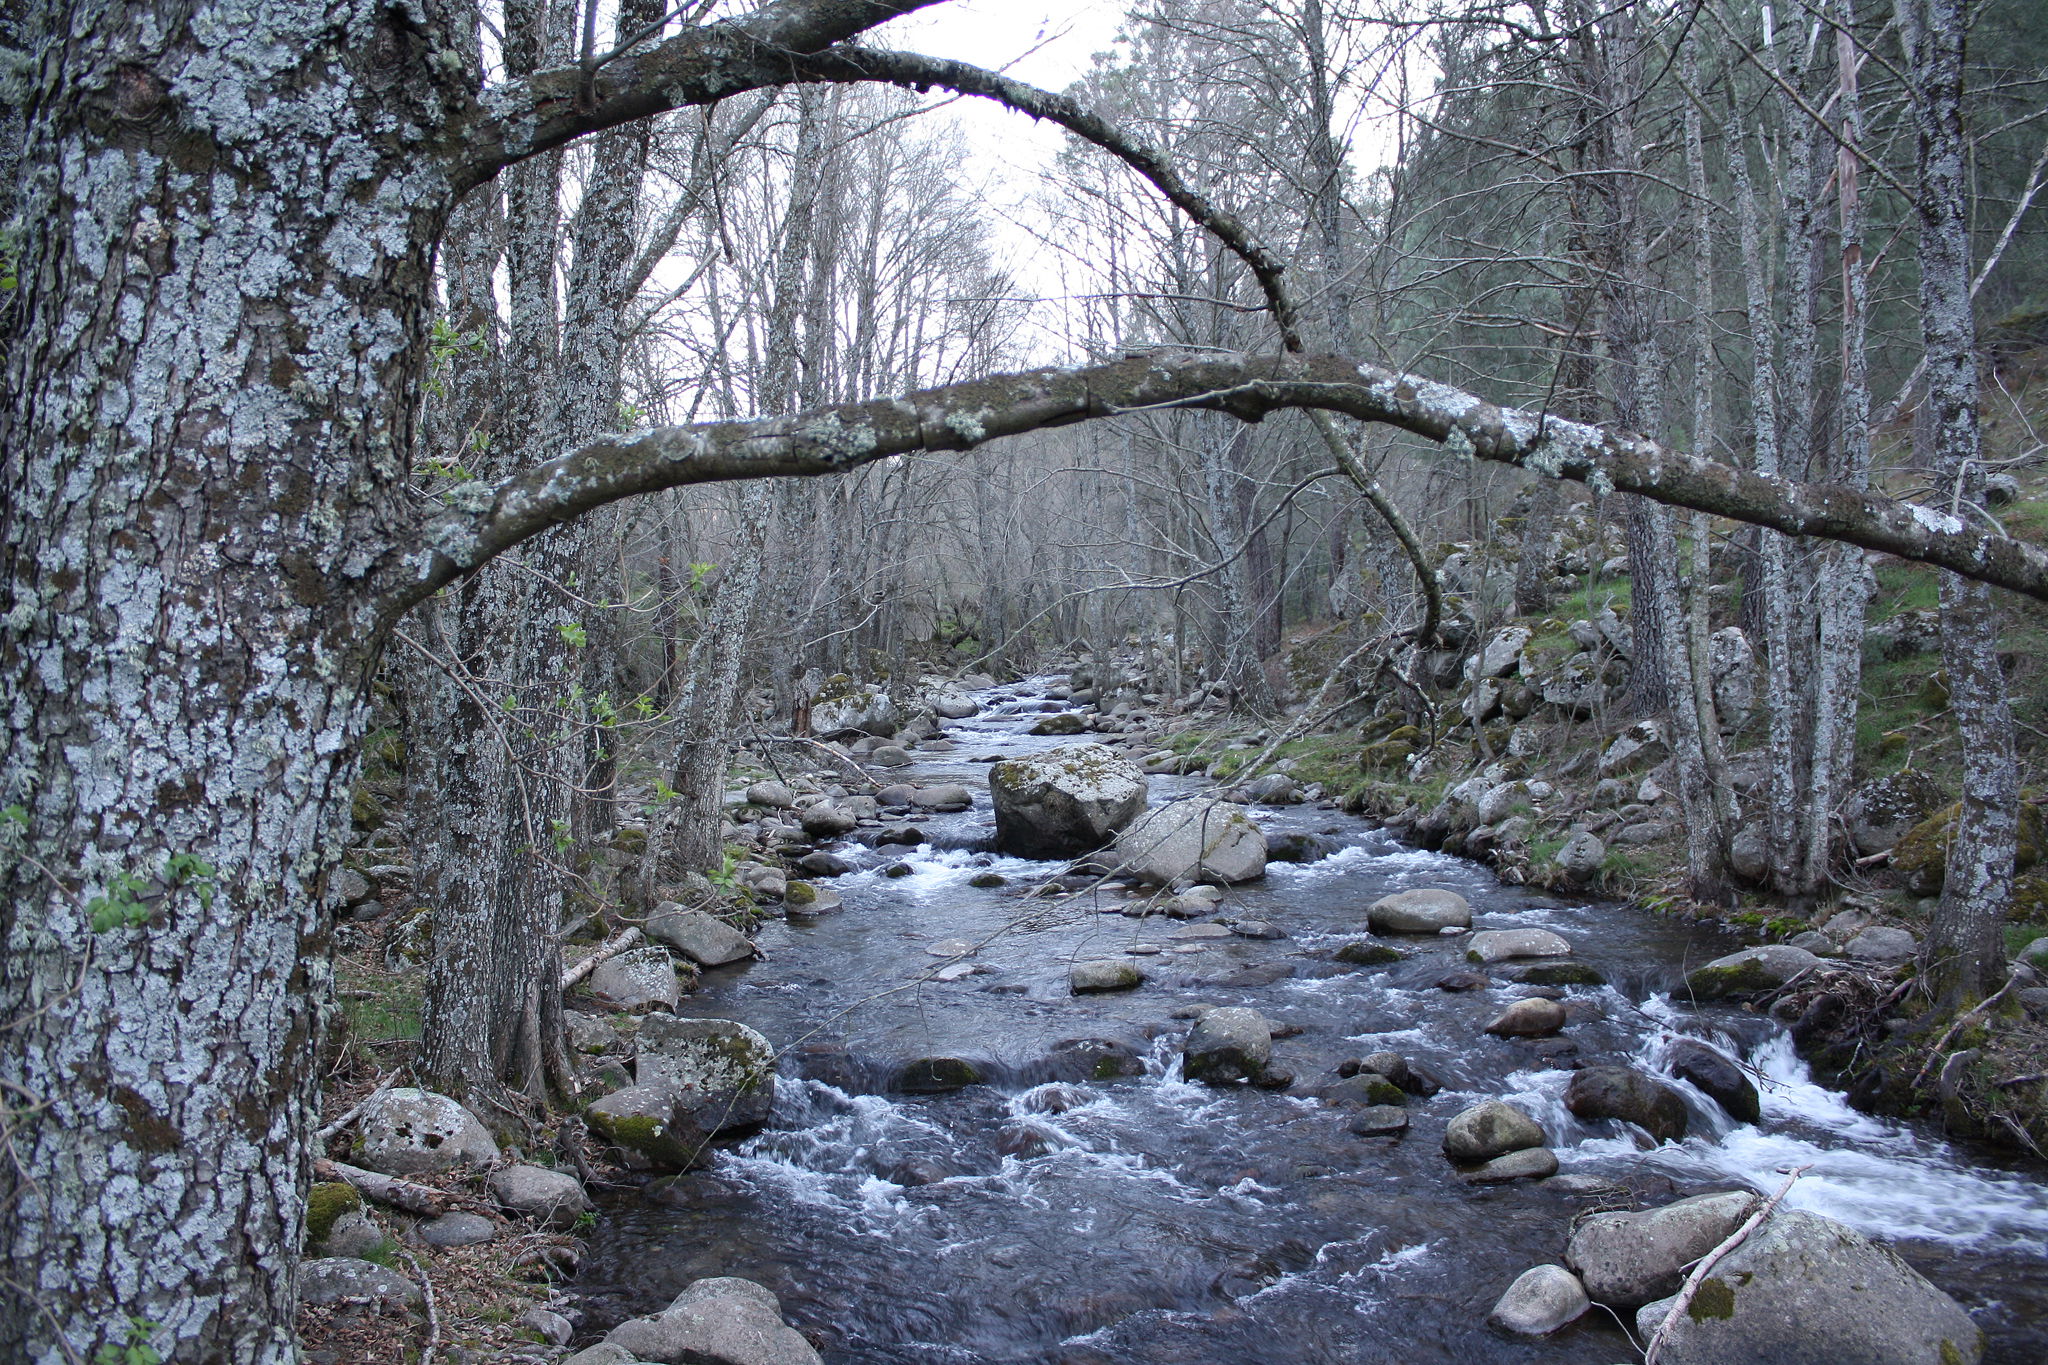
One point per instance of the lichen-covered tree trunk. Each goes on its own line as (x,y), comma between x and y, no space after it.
(1965,950)
(205,412)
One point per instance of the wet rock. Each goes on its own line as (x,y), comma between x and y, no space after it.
(1425,910)
(1630,1258)
(1364,953)
(1554,974)
(416,1132)
(1620,1092)
(702,938)
(1367,1088)
(722,1072)
(334,1279)
(803,900)
(1391,1065)
(1197,840)
(1749,971)
(1882,943)
(1379,1120)
(644,1120)
(947,796)
(1256,928)
(553,1199)
(936,1075)
(1298,846)
(1497,945)
(1056,1097)
(1717,1076)
(823,864)
(1227,1045)
(1027,1138)
(988,880)
(1200,931)
(1457,982)
(459,1230)
(638,980)
(773,795)
(1062,723)
(722,1321)
(895,794)
(895,871)
(1065,802)
(1103,974)
(1490,1129)
(1539,1302)
(1804,1288)
(1534,1018)
(1531,1163)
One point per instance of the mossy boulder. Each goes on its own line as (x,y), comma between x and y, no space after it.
(1749,971)
(1361,953)
(326,1202)
(1064,802)
(1922,854)
(937,1075)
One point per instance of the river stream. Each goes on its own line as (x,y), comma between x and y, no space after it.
(1145,1221)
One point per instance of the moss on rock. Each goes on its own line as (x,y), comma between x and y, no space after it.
(326,1202)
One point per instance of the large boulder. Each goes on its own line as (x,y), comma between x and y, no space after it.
(721,1321)
(1582,856)
(1753,969)
(955,706)
(1922,852)
(703,938)
(1620,1092)
(332,1279)
(1631,1258)
(1806,1290)
(416,1132)
(1227,1045)
(1425,910)
(1202,840)
(847,707)
(1718,1077)
(721,1072)
(1489,1129)
(1064,802)
(646,1122)
(1502,652)
(1881,811)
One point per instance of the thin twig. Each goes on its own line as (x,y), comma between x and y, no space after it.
(1962,1022)
(1709,1261)
(433,1309)
(350,1117)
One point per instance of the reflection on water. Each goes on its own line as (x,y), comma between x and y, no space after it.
(1144,1221)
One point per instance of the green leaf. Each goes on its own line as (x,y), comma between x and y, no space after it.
(574,634)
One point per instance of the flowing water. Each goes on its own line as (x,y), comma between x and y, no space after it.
(1145,1221)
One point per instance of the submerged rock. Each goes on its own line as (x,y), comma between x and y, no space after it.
(1531,1163)
(1065,802)
(1200,840)
(1379,1120)
(1806,1290)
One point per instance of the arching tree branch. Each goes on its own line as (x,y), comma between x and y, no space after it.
(482,521)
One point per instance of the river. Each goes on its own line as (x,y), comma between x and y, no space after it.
(1145,1221)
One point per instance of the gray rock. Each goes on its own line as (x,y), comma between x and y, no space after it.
(346,886)
(954,706)
(890,756)
(1623,1093)
(604,1353)
(1257,928)
(1498,945)
(1103,974)
(590,1035)
(1227,1045)
(1749,853)
(1631,1258)
(703,938)
(1425,910)
(1065,802)
(1531,1163)
(553,1199)
(827,821)
(946,796)
(1732,666)
(1748,971)
(643,1121)
(333,1279)
(1539,1302)
(722,1072)
(1379,1120)
(550,1325)
(1298,846)
(774,795)
(1503,651)
(1531,1018)
(1805,1290)
(637,980)
(847,706)
(353,1234)
(1879,812)
(1489,1129)
(1200,840)
(459,1230)
(416,1132)
(1881,943)
(1640,746)
(1717,1076)
(721,1321)
(1582,856)
(1274,789)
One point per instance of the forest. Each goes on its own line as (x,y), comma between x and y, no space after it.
(910,682)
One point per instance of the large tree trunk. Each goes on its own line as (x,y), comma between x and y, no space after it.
(206,420)
(1965,949)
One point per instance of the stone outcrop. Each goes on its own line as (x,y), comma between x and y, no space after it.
(1065,802)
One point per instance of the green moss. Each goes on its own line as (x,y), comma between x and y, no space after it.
(1715,1300)
(1362,953)
(365,811)
(985,880)
(1559,974)
(800,893)
(933,1075)
(326,1202)
(1714,983)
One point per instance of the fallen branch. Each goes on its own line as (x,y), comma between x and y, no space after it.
(385,1189)
(611,948)
(433,1309)
(350,1117)
(1692,1284)
(846,767)
(2027,1079)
